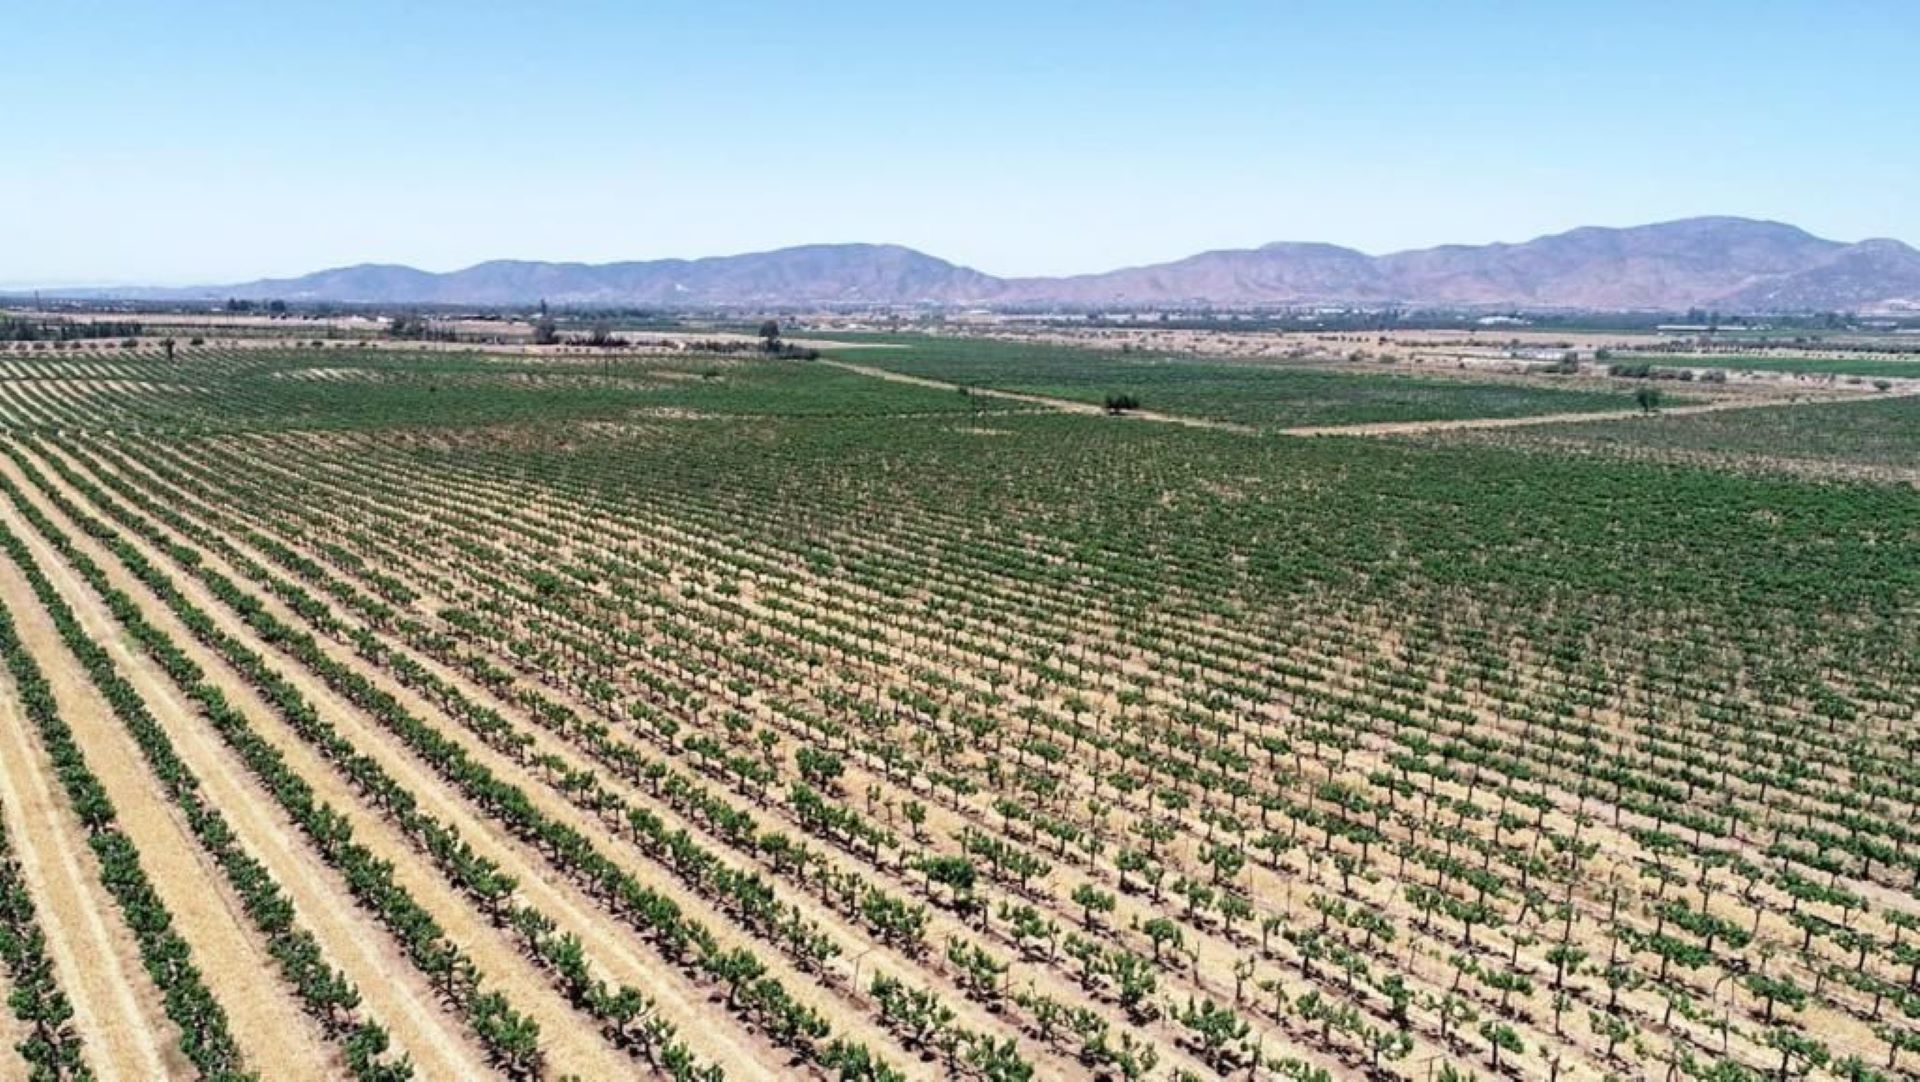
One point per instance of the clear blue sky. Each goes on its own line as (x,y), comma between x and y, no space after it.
(210,141)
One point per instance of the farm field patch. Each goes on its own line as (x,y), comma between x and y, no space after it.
(1266,394)
(1868,367)
(719,716)
(1873,438)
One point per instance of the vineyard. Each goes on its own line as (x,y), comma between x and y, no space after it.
(393,715)
(1869,366)
(1266,396)
(1878,439)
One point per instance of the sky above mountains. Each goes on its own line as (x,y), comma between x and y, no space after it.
(220,142)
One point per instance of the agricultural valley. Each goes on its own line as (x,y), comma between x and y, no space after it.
(959,702)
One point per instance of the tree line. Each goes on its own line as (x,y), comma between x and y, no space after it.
(13,329)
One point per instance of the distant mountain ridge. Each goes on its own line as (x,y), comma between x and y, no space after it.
(1729,264)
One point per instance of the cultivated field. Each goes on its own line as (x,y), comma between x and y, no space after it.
(1264,396)
(397,714)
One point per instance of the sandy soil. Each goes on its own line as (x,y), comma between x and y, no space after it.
(12,1030)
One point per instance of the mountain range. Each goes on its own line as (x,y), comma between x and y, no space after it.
(1722,263)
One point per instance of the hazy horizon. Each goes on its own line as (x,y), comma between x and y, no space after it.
(227,144)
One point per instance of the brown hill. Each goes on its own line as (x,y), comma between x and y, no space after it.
(1732,264)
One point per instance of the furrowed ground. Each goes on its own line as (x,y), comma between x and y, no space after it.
(396,714)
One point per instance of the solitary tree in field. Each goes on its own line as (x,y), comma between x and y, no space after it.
(1500,1037)
(1121,403)
(1799,1054)
(916,813)
(1610,1028)
(1091,900)
(167,344)
(1648,398)
(1218,1030)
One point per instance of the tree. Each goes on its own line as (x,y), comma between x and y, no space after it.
(1648,398)
(1233,909)
(1566,958)
(1610,1028)
(821,768)
(1217,1030)
(1121,403)
(1898,1040)
(1387,1045)
(545,332)
(770,339)
(1799,1054)
(737,968)
(1162,932)
(956,873)
(411,325)
(1227,860)
(998,1061)
(1500,1038)
(1091,900)
(1135,979)
(1774,991)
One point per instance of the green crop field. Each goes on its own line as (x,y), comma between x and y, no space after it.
(476,715)
(1877,436)
(1267,395)
(346,388)
(1867,367)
